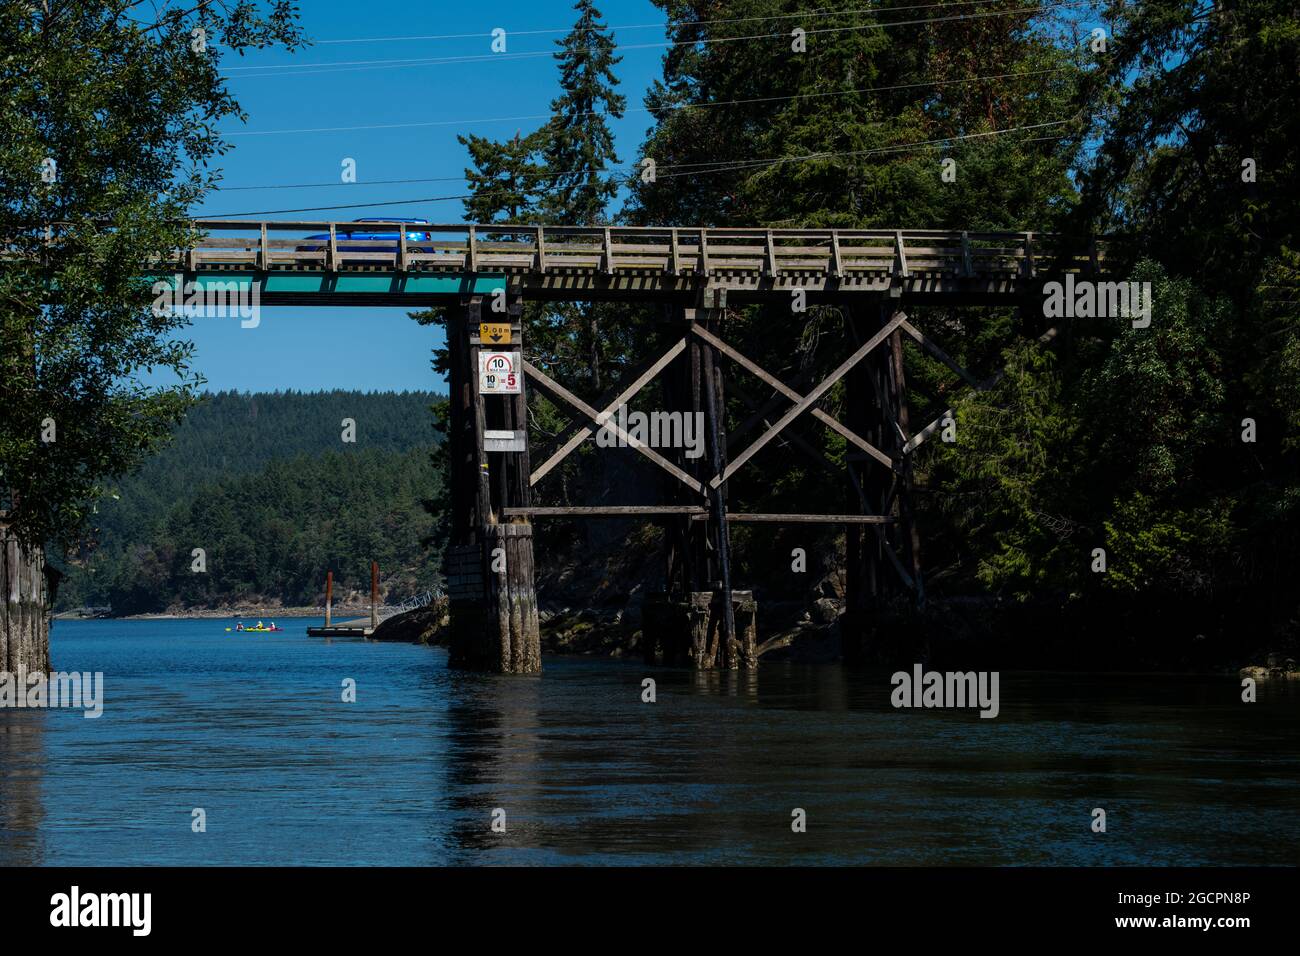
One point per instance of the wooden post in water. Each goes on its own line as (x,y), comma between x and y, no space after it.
(714,413)
(24,608)
(329,595)
(374,594)
(493,603)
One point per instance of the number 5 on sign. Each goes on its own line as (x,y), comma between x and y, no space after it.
(498,372)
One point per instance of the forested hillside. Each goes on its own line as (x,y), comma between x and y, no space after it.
(267,486)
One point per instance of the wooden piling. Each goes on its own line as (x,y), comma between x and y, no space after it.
(714,413)
(493,602)
(24,608)
(329,596)
(374,594)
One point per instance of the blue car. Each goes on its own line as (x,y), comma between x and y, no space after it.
(342,234)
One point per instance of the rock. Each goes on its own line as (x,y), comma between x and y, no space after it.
(424,625)
(1279,661)
(825,611)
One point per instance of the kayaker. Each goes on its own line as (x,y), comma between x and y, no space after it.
(239,626)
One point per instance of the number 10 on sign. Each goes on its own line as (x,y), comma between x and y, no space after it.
(499,373)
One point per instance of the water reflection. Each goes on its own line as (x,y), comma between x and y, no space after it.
(587,772)
(22,812)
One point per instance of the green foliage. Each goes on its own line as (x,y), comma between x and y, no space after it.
(1186,95)
(1160,549)
(852,132)
(118,113)
(1000,482)
(504,179)
(579,147)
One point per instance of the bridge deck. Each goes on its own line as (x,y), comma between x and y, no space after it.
(323,263)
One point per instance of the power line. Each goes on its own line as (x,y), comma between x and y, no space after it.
(344,66)
(643,109)
(760,163)
(807,14)
(762,99)
(729,166)
(377,182)
(355,205)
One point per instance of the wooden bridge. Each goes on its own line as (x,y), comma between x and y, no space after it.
(315,263)
(485,273)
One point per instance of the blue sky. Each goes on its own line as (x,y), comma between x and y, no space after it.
(339,85)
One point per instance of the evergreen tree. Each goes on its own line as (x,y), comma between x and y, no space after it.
(505,177)
(579,147)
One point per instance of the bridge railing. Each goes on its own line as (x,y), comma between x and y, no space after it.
(499,248)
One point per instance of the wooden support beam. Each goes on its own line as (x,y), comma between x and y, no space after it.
(759,413)
(753,367)
(930,346)
(374,594)
(755,518)
(900,264)
(714,410)
(916,440)
(606,511)
(622,398)
(559,391)
(803,404)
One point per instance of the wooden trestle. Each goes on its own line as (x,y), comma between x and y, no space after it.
(704,619)
(483,273)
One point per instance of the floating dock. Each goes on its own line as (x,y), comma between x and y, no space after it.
(359,627)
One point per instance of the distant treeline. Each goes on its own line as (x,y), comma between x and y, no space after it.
(268,488)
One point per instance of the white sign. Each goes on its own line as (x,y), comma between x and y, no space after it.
(499,373)
(503,440)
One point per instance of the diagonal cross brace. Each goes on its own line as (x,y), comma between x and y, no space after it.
(826,463)
(752,366)
(582,434)
(915,441)
(559,391)
(804,403)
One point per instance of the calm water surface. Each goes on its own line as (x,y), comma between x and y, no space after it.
(253,730)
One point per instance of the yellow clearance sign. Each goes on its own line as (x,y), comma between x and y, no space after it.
(496,333)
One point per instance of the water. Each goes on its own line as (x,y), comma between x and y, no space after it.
(253,730)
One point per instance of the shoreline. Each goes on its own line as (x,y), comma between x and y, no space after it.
(338,611)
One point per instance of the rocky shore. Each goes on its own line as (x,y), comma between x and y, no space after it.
(340,611)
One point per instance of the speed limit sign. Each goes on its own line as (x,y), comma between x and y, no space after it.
(499,373)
